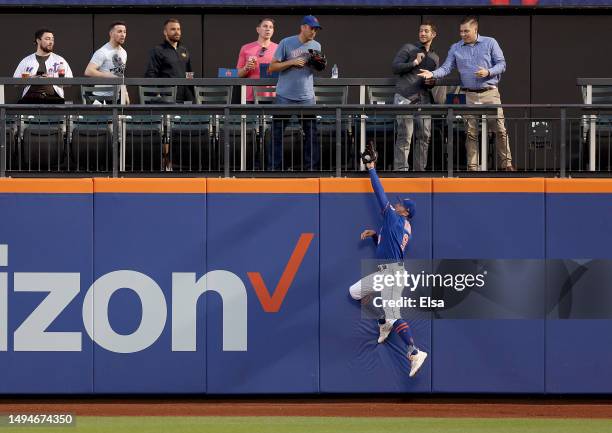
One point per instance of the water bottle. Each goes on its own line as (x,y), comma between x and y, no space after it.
(335,71)
(61,72)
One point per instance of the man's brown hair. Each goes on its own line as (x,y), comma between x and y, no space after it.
(470,19)
(430,24)
(116,23)
(266,19)
(171,20)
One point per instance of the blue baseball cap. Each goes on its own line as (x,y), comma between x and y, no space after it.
(409,205)
(312,21)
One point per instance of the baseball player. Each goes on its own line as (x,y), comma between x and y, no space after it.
(391,242)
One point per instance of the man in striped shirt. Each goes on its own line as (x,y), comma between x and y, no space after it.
(480,62)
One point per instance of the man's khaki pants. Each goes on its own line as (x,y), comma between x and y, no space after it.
(504,157)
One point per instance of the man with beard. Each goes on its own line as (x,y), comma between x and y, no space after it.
(412,89)
(43,63)
(110,60)
(170,59)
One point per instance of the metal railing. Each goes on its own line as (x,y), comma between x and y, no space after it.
(324,139)
(595,91)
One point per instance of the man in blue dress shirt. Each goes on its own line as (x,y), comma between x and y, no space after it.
(480,62)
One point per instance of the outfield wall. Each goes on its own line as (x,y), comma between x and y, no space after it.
(277,257)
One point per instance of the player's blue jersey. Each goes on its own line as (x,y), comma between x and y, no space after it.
(395,233)
(393,236)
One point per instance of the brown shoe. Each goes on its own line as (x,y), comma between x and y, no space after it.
(509,168)
(166,163)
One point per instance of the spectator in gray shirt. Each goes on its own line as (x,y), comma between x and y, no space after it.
(413,89)
(295,87)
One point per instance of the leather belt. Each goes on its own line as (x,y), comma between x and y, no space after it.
(484,89)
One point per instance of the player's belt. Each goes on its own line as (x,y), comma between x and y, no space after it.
(390,266)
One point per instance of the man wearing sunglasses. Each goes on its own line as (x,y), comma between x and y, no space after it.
(256,53)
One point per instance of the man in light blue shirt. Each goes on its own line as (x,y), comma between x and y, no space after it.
(295,86)
(480,62)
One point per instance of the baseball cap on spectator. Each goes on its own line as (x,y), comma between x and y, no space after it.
(312,21)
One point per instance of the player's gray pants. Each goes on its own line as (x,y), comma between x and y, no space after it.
(407,126)
(371,284)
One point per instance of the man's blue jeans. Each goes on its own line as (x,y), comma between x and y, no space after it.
(274,152)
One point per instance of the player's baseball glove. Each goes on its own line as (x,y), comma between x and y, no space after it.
(370,154)
(317,60)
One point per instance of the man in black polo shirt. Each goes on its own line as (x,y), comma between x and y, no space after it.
(170,59)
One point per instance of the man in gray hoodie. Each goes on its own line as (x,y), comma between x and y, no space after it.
(412,89)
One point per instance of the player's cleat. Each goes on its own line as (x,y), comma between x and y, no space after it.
(384,330)
(416,362)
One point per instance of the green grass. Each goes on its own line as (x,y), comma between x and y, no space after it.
(216,424)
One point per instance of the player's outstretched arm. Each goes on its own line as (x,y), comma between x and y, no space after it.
(383,201)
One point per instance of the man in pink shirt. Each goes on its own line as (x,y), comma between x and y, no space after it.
(258,52)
